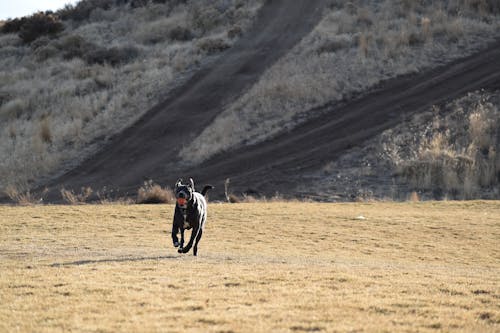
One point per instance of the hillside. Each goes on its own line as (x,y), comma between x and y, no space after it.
(65,91)
(283,102)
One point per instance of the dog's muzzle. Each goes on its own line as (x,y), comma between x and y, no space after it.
(181,201)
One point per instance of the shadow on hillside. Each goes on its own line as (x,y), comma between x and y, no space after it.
(109,260)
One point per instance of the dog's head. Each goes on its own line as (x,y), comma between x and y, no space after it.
(184,192)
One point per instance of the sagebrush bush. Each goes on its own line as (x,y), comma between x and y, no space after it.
(72,46)
(45,131)
(204,19)
(234,31)
(39,24)
(154,32)
(180,33)
(113,56)
(213,45)
(82,9)
(12,109)
(151,193)
(13,25)
(72,198)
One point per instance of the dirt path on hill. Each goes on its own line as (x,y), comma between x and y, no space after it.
(277,164)
(149,148)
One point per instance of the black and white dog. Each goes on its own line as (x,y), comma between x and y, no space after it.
(190,212)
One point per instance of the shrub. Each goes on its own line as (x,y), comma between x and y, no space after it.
(24,198)
(151,193)
(75,46)
(39,24)
(113,56)
(45,132)
(82,10)
(234,32)
(13,26)
(45,52)
(13,109)
(180,34)
(213,45)
(40,42)
(483,6)
(76,198)
(155,32)
(138,3)
(334,45)
(204,18)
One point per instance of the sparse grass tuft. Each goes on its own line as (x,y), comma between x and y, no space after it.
(73,198)
(24,198)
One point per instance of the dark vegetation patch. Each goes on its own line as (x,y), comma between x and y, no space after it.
(75,46)
(30,28)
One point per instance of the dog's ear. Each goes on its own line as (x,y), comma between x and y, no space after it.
(178,183)
(191,182)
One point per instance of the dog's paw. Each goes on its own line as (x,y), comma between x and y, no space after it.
(180,250)
(176,244)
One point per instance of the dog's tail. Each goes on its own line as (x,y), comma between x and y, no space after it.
(206,188)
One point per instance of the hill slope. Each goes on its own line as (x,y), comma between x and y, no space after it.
(174,138)
(149,148)
(273,166)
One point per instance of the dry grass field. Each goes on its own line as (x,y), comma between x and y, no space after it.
(262,267)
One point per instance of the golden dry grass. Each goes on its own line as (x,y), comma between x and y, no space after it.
(262,267)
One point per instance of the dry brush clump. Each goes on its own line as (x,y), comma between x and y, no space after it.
(24,197)
(151,193)
(34,26)
(64,95)
(74,198)
(356,45)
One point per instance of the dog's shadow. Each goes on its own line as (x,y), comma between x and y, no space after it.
(110,260)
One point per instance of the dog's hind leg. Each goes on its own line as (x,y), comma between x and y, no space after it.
(194,233)
(198,237)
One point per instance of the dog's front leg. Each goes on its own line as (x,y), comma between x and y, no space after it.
(181,245)
(175,230)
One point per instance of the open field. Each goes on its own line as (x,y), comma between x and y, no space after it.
(266,267)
